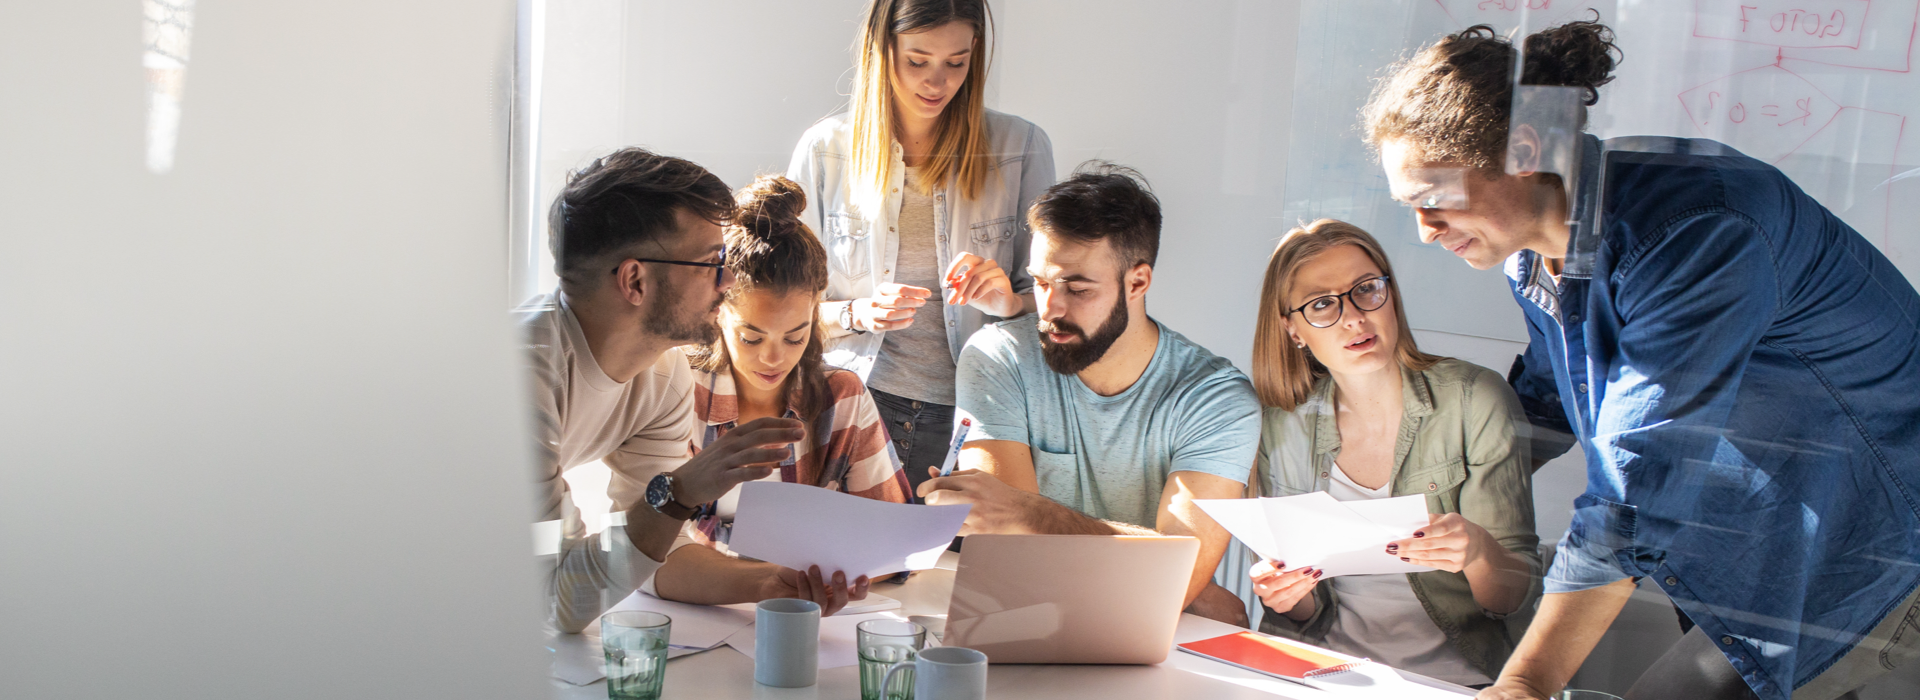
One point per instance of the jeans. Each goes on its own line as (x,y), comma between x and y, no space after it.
(921,433)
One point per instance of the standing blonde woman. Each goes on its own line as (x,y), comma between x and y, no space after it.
(918,192)
(1353,408)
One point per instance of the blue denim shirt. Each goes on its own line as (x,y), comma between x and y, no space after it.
(1743,371)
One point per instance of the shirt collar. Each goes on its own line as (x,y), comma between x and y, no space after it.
(1416,402)
(1583,235)
(721,403)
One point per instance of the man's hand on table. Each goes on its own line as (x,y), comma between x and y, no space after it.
(997,507)
(1216,603)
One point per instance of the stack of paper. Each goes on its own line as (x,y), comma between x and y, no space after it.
(838,638)
(696,628)
(799,526)
(577,658)
(1312,529)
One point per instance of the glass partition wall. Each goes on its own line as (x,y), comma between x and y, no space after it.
(1681,238)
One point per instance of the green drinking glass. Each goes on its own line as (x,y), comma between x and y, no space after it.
(636,645)
(883,643)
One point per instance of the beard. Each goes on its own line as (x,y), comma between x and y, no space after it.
(1072,357)
(668,318)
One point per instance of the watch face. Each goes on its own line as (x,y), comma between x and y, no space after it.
(659,490)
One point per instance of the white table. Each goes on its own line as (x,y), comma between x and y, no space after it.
(726,673)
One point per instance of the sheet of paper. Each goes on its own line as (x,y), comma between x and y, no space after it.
(1314,529)
(838,638)
(1366,680)
(579,660)
(798,526)
(694,626)
(874,602)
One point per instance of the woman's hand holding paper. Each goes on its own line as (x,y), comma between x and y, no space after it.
(1450,543)
(1282,590)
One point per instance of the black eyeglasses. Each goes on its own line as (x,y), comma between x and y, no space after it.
(1324,311)
(719,268)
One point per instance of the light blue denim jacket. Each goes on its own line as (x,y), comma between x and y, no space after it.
(862,247)
(1743,372)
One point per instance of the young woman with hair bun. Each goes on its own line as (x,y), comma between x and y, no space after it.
(1737,364)
(919,193)
(767,363)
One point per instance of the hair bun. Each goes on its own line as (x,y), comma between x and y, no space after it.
(771,203)
(1576,54)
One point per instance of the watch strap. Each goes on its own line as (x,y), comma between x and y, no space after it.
(671,507)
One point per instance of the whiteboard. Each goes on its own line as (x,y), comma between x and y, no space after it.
(1823,89)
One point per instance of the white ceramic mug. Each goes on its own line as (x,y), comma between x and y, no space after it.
(786,643)
(945,673)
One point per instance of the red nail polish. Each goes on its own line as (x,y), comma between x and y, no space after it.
(1419,534)
(1393,548)
(1405,559)
(1318,572)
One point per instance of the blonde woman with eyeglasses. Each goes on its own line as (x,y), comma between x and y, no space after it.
(919,193)
(1352,407)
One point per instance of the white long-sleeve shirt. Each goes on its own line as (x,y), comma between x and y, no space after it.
(640,428)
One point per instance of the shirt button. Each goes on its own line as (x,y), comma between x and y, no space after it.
(889,228)
(1323,475)
(1582,387)
(1672,581)
(1574,318)
(1727,641)
(1433,487)
(896,189)
(887,271)
(908,425)
(949,324)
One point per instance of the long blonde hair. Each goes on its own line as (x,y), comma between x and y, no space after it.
(960,137)
(1284,375)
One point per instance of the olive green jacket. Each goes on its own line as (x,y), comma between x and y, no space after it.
(1458,446)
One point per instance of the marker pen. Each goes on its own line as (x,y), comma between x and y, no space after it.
(953,452)
(955,278)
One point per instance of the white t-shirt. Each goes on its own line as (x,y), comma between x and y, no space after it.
(1380,618)
(640,428)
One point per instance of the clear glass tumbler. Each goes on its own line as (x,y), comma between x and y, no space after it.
(882,644)
(636,646)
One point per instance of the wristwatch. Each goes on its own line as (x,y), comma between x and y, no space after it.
(846,319)
(660,497)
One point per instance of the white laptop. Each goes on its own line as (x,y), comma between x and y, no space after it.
(1069,599)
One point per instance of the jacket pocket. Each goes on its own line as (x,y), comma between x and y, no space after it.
(994,233)
(1437,478)
(848,246)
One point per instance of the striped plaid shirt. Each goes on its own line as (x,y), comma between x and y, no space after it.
(855,456)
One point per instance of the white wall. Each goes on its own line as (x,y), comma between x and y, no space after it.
(262,432)
(1197,95)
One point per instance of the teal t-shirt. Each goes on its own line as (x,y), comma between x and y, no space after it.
(1109,456)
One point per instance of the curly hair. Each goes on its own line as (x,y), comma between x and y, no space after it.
(1451,101)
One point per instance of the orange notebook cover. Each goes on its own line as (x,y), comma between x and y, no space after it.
(1269,655)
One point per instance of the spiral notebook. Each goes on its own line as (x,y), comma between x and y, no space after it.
(1260,653)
